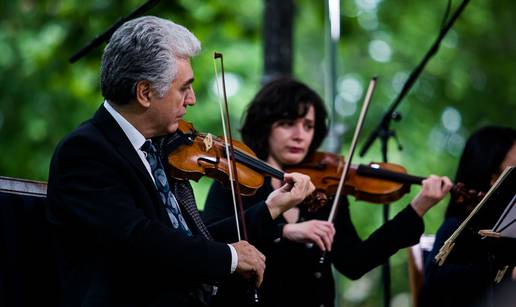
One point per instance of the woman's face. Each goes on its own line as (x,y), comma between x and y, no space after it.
(289,140)
(510,160)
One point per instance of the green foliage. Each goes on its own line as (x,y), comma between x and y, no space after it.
(43,96)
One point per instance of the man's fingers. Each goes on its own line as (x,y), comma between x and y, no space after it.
(258,271)
(262,256)
(259,278)
(251,262)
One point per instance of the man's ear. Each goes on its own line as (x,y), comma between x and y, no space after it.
(143,93)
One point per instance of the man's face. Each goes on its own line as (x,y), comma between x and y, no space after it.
(169,109)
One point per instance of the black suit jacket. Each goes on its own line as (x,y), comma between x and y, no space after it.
(116,241)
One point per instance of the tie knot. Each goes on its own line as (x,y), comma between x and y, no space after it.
(149,147)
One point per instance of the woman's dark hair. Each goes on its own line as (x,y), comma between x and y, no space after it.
(281,99)
(483,154)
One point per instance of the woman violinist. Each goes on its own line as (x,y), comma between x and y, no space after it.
(487,153)
(284,124)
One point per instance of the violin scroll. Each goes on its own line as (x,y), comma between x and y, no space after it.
(466,197)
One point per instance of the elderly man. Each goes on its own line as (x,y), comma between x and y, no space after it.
(127,235)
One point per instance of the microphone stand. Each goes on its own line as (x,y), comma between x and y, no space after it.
(99,39)
(383,131)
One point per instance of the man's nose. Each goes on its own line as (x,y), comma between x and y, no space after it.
(190,98)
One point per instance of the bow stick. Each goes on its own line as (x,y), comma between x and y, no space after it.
(230,154)
(336,200)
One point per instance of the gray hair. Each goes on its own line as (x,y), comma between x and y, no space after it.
(144,48)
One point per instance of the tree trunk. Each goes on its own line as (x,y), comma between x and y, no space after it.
(277,26)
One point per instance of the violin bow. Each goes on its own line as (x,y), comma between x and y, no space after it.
(230,154)
(358,129)
(230,150)
(347,166)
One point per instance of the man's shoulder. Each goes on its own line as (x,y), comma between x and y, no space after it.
(83,140)
(89,130)
(85,131)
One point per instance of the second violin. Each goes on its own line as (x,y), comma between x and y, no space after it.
(378,183)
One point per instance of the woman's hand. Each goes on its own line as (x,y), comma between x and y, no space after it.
(434,189)
(313,231)
(296,188)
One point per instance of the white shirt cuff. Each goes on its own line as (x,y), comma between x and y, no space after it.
(234,258)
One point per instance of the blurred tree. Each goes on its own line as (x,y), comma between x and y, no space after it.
(466,85)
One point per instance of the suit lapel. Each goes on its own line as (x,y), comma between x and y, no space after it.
(110,128)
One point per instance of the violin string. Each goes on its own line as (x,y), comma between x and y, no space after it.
(255,163)
(258,164)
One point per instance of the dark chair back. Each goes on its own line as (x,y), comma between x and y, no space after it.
(28,267)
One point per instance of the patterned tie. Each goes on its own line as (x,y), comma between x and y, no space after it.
(160,178)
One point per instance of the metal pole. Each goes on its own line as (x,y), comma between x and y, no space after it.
(332,36)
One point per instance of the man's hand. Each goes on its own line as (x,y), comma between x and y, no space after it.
(434,189)
(296,188)
(313,231)
(251,263)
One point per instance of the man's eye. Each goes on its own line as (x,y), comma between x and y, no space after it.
(185,88)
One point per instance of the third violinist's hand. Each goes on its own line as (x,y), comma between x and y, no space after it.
(296,188)
(251,263)
(313,231)
(434,189)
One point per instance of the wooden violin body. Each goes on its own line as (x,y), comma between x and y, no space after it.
(362,182)
(205,155)
(376,182)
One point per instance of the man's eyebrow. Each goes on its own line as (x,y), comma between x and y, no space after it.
(189,81)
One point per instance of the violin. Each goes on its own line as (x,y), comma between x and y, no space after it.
(378,183)
(194,155)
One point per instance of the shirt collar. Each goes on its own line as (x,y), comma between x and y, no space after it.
(135,137)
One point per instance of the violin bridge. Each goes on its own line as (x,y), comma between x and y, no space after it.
(208,142)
